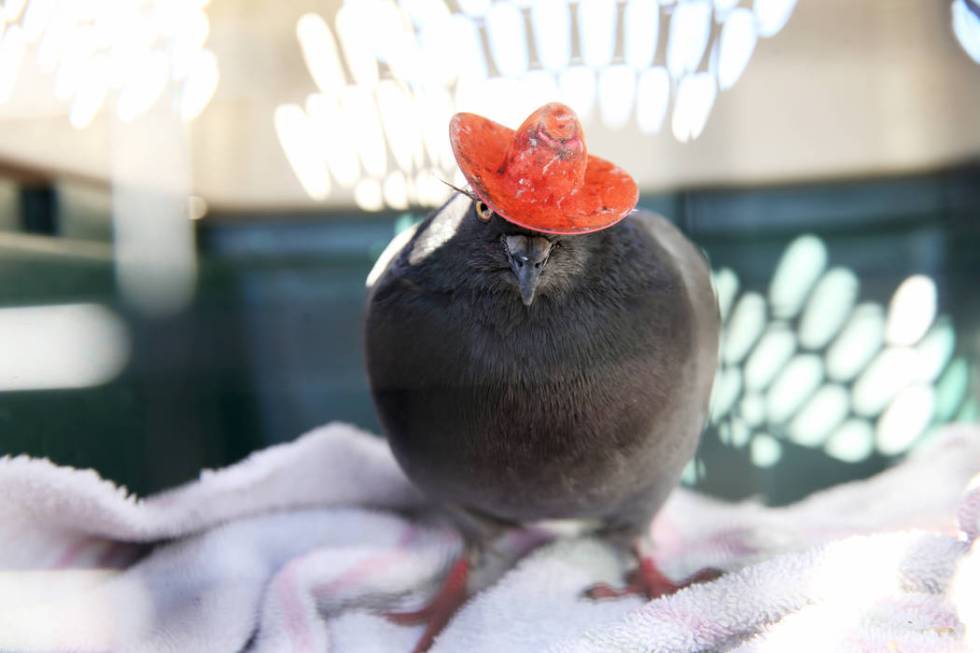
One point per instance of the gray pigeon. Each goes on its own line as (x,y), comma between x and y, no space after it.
(522,376)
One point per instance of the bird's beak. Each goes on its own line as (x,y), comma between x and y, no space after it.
(527,256)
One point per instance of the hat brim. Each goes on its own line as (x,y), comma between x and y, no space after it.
(607,195)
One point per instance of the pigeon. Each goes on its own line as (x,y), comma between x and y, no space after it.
(537,349)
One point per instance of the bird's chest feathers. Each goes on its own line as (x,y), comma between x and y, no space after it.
(514,347)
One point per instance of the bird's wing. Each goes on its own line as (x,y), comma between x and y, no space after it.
(692,264)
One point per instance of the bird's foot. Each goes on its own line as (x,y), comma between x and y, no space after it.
(437,614)
(648,581)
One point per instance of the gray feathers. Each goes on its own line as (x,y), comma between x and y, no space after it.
(585,404)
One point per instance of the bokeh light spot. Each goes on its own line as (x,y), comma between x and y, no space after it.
(728,385)
(852,442)
(747,322)
(828,308)
(820,416)
(735,46)
(726,286)
(905,420)
(935,350)
(799,268)
(800,378)
(951,389)
(858,342)
(775,348)
(912,310)
(766,450)
(753,409)
(772,15)
(891,370)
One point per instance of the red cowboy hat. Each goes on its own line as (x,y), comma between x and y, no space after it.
(541,177)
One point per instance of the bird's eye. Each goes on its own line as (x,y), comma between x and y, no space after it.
(483,212)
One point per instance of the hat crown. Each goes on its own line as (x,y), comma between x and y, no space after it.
(548,154)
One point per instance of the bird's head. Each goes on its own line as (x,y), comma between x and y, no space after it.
(539,200)
(480,250)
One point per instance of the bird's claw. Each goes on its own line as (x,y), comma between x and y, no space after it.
(647,581)
(437,614)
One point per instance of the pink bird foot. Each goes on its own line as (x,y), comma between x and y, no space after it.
(444,605)
(648,581)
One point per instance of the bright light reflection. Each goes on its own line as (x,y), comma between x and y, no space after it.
(508,43)
(772,15)
(966,27)
(400,121)
(331,140)
(504,102)
(747,322)
(617,85)
(291,129)
(852,442)
(91,93)
(96,49)
(361,116)
(145,86)
(740,433)
(472,61)
(578,89)
(61,346)
(726,287)
(891,371)
(912,310)
(695,97)
(552,26)
(951,389)
(935,350)
(441,41)
(354,22)
(775,348)
(765,451)
(474,7)
(540,87)
(728,385)
(970,412)
(828,308)
(435,109)
(905,420)
(752,409)
(736,43)
(431,191)
(799,268)
(200,86)
(320,53)
(424,12)
(597,30)
(641,25)
(822,413)
(858,342)
(12,9)
(36,19)
(398,47)
(395,190)
(368,196)
(652,99)
(12,46)
(690,29)
(798,381)
(723,7)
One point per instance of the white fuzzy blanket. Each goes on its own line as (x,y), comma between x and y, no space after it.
(300,546)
